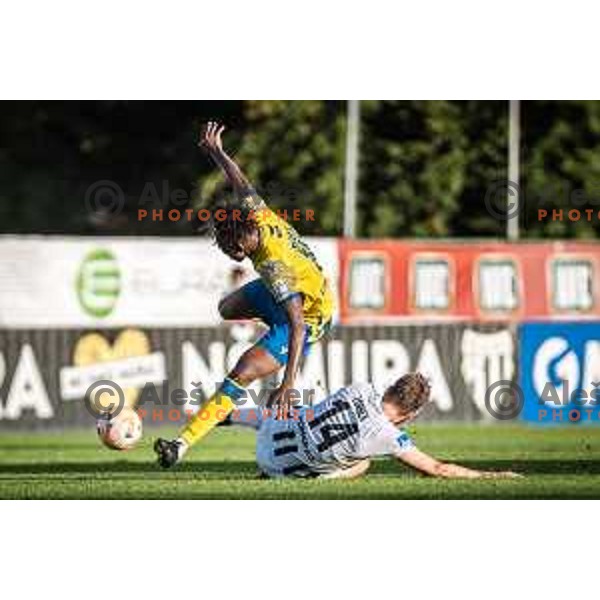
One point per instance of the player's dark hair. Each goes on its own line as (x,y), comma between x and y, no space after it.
(410,393)
(230,227)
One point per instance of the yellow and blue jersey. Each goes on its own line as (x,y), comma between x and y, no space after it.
(288,267)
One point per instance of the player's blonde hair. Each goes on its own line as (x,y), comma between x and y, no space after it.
(410,393)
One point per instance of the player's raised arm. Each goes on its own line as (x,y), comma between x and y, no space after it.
(210,141)
(431,466)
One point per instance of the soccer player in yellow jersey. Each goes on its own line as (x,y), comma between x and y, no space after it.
(292,297)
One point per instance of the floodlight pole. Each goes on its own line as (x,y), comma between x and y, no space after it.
(351,174)
(513,187)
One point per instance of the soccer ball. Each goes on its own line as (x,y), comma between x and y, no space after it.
(121,432)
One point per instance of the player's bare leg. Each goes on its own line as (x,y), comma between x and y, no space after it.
(255,363)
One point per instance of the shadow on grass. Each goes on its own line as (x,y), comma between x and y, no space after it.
(223,468)
(235,469)
(28,447)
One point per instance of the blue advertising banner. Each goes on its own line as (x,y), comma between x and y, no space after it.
(560,372)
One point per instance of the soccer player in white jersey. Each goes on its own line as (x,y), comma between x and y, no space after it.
(337,437)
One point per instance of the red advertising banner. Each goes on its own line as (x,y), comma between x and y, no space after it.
(486,281)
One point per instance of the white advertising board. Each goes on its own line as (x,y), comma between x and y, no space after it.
(57,282)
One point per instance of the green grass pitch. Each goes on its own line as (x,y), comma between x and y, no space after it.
(557,463)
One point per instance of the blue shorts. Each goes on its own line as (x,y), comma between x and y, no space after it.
(275,341)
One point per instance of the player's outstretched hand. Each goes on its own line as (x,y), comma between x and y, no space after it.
(210,138)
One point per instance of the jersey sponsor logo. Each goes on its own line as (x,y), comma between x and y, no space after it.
(404,441)
(280,289)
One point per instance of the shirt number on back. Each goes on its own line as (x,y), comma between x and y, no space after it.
(332,433)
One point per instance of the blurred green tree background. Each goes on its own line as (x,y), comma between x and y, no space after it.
(425,167)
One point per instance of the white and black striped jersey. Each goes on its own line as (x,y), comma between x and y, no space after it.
(345,428)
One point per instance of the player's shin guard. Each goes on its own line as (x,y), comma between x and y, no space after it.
(216,409)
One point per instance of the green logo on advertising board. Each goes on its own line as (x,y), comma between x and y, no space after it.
(99,283)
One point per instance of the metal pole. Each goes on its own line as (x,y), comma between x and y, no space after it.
(513,187)
(351,175)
